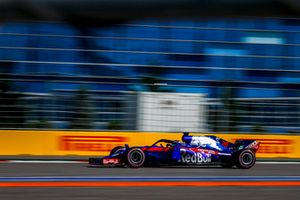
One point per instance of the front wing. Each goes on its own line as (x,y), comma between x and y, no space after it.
(105,161)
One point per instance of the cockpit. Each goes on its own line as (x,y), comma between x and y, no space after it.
(165,143)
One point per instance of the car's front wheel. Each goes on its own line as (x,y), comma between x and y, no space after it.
(245,159)
(135,157)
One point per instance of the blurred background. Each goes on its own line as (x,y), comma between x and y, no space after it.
(80,77)
(171,74)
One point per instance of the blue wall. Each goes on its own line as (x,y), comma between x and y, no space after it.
(193,54)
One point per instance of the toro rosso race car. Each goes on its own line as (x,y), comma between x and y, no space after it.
(193,150)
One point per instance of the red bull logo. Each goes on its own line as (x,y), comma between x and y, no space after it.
(196,158)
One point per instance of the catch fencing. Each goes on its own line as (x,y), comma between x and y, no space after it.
(148,111)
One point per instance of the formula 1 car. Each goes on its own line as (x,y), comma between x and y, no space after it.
(193,150)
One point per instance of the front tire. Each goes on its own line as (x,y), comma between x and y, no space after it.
(245,159)
(135,158)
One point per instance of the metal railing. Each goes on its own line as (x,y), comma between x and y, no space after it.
(118,111)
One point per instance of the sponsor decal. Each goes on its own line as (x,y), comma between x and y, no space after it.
(253,145)
(196,158)
(90,143)
(107,161)
(274,146)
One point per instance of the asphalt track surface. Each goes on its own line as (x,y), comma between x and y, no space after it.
(44,173)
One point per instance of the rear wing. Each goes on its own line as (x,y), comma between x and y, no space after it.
(253,145)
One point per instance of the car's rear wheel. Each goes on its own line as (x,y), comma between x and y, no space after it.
(245,159)
(135,157)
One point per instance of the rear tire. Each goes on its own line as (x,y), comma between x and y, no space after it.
(245,159)
(135,158)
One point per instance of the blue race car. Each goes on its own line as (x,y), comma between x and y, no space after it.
(193,150)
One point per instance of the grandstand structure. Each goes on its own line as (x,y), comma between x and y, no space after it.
(58,76)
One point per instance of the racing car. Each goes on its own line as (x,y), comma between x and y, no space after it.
(192,150)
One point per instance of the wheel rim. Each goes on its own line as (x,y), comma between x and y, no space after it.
(247,159)
(136,157)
